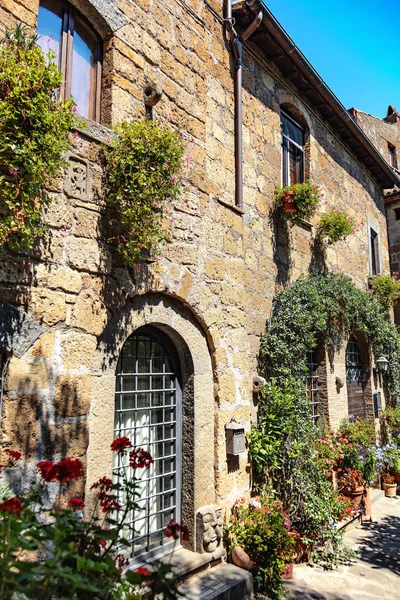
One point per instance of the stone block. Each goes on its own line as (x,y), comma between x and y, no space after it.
(58,278)
(77,350)
(20,426)
(44,346)
(24,376)
(89,313)
(72,395)
(88,255)
(66,439)
(48,306)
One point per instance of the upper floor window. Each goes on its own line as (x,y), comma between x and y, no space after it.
(292,150)
(392,156)
(78,53)
(374,259)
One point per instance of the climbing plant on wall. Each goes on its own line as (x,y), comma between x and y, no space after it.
(327,308)
(144,164)
(34,127)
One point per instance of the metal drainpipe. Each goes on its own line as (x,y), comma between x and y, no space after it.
(237,48)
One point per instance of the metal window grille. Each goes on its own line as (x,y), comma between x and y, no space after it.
(312,385)
(148,412)
(353,362)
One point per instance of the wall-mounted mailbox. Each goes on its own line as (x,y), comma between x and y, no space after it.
(377,403)
(235,439)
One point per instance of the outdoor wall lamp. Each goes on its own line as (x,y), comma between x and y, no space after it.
(382,363)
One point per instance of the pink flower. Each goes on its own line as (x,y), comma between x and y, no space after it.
(166,166)
(76,134)
(13,171)
(74,109)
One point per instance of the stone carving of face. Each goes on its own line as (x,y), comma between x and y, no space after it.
(209,525)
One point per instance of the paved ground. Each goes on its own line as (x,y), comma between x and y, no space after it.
(375,576)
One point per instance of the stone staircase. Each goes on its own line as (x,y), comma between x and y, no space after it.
(209,577)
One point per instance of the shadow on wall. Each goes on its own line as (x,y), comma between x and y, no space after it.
(281,246)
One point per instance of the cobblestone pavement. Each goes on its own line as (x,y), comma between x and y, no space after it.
(375,576)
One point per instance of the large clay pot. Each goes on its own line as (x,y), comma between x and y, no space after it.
(390,490)
(240,558)
(355,495)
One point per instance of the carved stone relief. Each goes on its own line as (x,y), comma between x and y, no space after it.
(77,180)
(209,529)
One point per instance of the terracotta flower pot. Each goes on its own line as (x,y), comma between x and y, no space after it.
(390,490)
(354,495)
(240,558)
(289,205)
(287,571)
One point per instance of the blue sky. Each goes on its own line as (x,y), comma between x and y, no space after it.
(353,45)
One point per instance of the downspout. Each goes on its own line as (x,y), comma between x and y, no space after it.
(237,49)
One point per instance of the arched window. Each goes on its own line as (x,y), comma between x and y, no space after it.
(292,150)
(354,379)
(78,49)
(148,412)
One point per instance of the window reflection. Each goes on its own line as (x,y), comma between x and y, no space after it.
(50,31)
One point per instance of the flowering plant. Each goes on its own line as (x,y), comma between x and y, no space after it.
(335,226)
(305,196)
(386,289)
(47,550)
(329,452)
(351,480)
(143,171)
(34,127)
(261,527)
(388,478)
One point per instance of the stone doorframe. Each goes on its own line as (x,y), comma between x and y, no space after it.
(179,324)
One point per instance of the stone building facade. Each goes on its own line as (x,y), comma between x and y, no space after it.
(70,306)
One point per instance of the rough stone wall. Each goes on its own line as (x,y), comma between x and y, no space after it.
(223,265)
(381,132)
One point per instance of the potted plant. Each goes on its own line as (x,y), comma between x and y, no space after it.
(389,485)
(299,201)
(335,226)
(351,484)
(260,527)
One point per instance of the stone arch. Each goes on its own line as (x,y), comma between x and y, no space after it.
(179,324)
(104,15)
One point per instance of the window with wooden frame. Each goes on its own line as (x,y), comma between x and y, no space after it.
(78,53)
(392,156)
(292,150)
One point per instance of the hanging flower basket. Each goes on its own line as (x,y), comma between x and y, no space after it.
(299,201)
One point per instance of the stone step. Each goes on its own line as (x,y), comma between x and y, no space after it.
(223,582)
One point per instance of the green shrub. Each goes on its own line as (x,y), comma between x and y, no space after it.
(34,127)
(144,165)
(335,226)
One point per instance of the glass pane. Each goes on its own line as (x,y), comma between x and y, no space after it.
(294,132)
(83,69)
(49,29)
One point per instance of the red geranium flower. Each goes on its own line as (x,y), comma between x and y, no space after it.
(173,529)
(143,571)
(14,454)
(12,505)
(68,469)
(104,484)
(121,444)
(47,470)
(139,459)
(108,504)
(63,471)
(76,504)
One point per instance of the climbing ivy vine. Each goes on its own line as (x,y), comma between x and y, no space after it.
(327,308)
